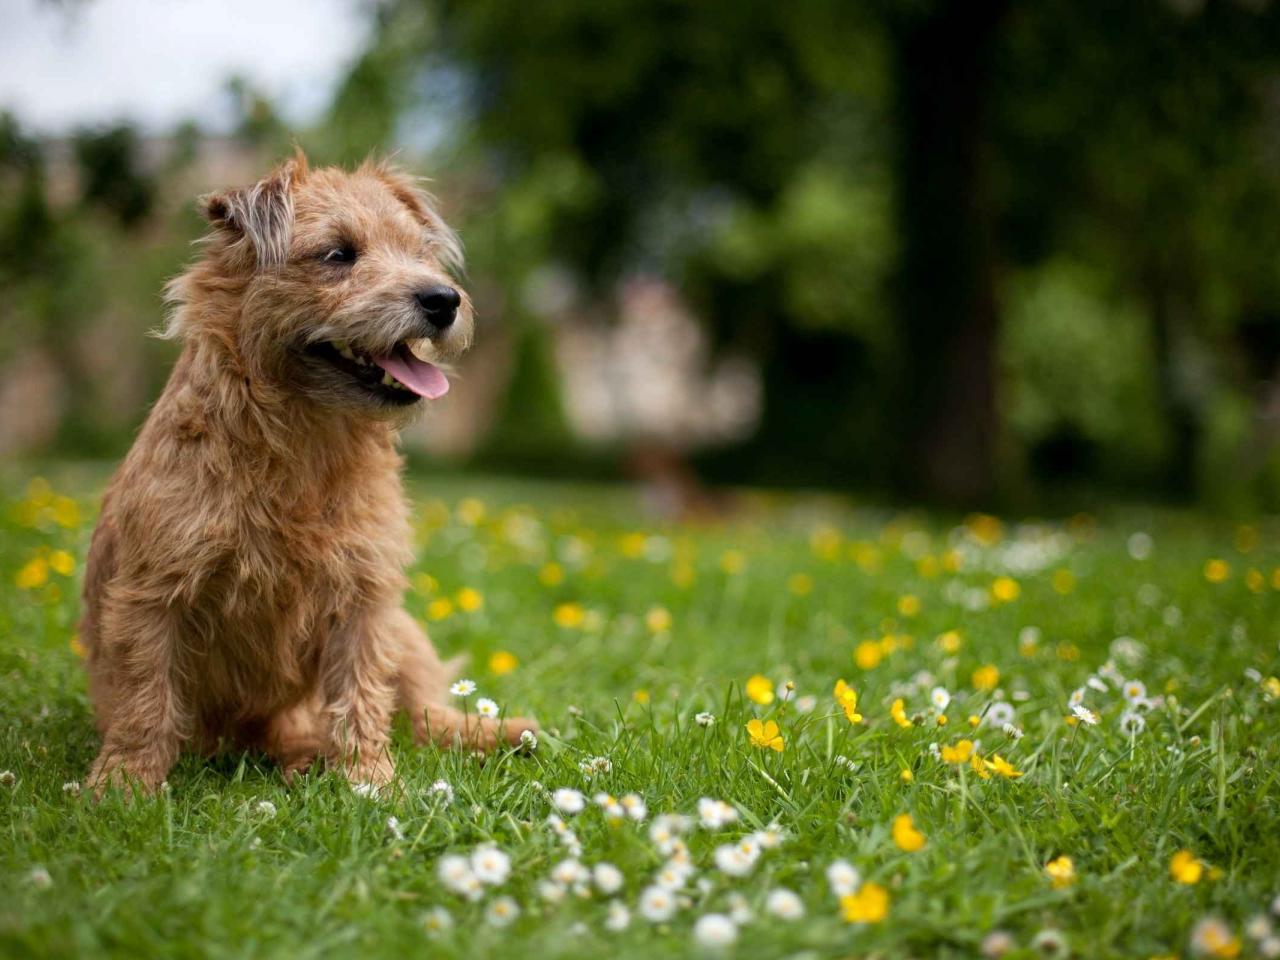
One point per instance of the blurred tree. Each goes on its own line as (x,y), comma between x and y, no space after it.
(111,173)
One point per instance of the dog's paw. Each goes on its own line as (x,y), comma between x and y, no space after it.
(126,774)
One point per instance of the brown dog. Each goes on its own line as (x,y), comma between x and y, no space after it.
(244,583)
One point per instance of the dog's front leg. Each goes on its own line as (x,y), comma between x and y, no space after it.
(143,731)
(359,692)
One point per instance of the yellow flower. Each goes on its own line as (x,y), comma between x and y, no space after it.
(941,720)
(899,713)
(825,543)
(470,511)
(440,608)
(975,762)
(868,654)
(800,584)
(641,697)
(1254,580)
(569,615)
(959,753)
(502,662)
(986,677)
(906,776)
(1002,766)
(759,689)
(1062,871)
(1216,571)
(66,513)
(908,605)
(974,719)
(733,562)
(34,573)
(551,574)
(469,600)
(1185,868)
(1063,581)
(683,574)
(847,698)
(658,619)
(949,642)
(905,834)
(1005,590)
(765,735)
(632,545)
(869,905)
(984,528)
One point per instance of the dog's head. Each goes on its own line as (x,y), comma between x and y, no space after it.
(332,284)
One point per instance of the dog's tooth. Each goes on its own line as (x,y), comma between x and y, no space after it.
(388,380)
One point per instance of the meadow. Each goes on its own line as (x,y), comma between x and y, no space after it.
(814,729)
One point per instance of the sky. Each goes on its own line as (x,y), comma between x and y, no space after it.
(68,63)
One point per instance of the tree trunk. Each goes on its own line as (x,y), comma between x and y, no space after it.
(946,408)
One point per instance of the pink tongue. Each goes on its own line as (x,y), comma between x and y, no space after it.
(422,378)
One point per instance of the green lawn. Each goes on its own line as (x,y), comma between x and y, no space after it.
(616,632)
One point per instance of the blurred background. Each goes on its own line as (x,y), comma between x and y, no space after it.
(1020,253)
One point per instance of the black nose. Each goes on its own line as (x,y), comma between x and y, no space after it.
(439,303)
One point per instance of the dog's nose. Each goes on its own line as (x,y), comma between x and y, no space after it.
(439,303)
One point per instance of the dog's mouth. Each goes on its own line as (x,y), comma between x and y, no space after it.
(398,376)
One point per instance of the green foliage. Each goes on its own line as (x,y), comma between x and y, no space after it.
(204,869)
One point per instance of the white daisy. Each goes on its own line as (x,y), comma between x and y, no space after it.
(568,800)
(607,877)
(502,912)
(705,719)
(72,787)
(734,861)
(770,838)
(369,791)
(490,865)
(806,704)
(39,878)
(443,790)
(739,910)
(463,688)
(7,778)
(657,904)
(528,740)
(940,698)
(996,944)
(569,872)
(634,806)
(843,878)
(486,707)
(1135,691)
(455,873)
(1095,683)
(999,714)
(265,808)
(1132,723)
(1076,698)
(673,875)
(715,930)
(393,828)
(618,918)
(715,814)
(1084,714)
(784,904)
(1049,943)
(551,891)
(437,921)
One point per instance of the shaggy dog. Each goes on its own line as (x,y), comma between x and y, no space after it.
(244,583)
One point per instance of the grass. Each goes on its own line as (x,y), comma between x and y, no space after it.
(790,590)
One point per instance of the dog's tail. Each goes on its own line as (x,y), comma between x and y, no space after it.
(424,687)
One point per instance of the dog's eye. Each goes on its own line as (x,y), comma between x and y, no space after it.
(343,254)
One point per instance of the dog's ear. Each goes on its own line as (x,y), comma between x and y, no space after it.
(262,214)
(422,205)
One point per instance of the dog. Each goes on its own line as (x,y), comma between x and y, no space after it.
(245,579)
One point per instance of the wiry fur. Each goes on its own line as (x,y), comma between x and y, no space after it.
(244,583)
